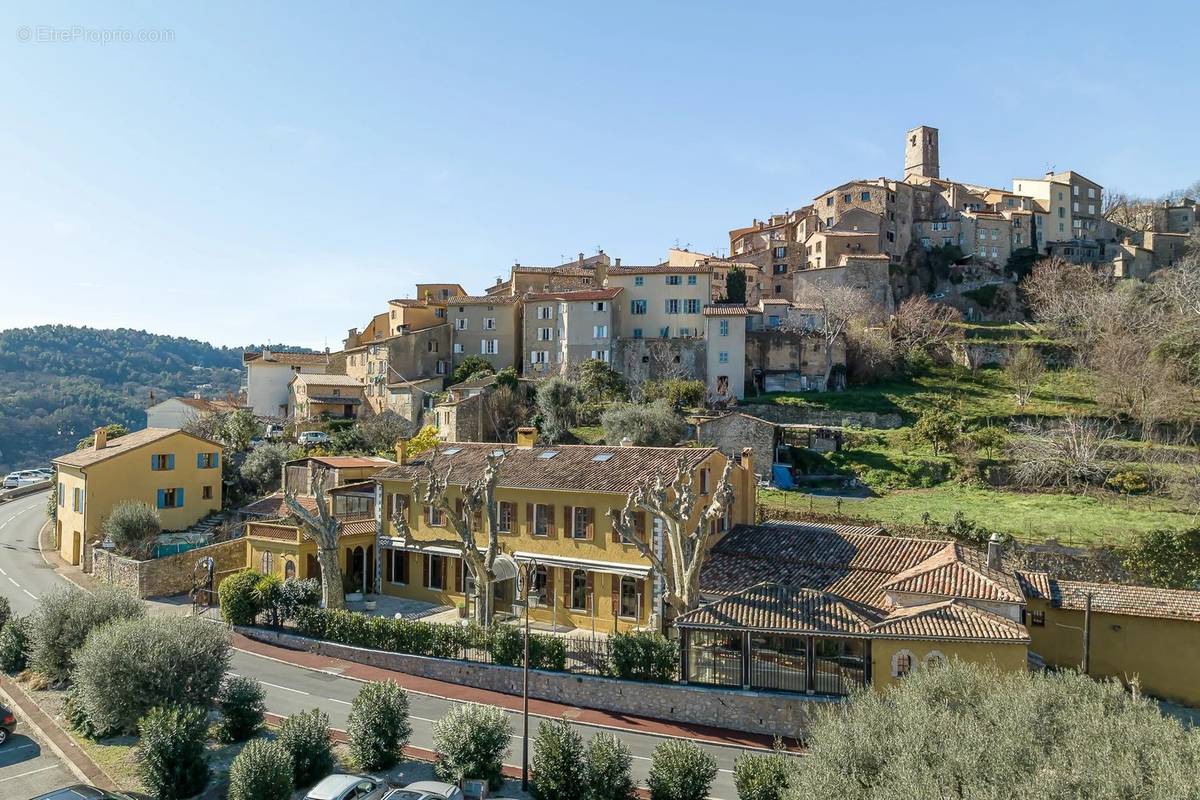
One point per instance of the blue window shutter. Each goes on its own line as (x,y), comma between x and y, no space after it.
(171,461)
(153,462)
(199,460)
(217,458)
(179,498)
(162,498)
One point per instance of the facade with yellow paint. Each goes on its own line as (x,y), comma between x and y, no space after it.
(173,471)
(553,504)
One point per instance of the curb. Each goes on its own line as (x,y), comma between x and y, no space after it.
(79,762)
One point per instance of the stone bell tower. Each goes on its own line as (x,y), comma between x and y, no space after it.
(921,153)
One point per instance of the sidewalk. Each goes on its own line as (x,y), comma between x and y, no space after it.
(466,694)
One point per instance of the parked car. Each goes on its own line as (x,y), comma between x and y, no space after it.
(22,477)
(346,787)
(81,792)
(7,723)
(426,790)
(273,432)
(309,438)
(47,471)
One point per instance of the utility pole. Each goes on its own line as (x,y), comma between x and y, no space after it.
(528,571)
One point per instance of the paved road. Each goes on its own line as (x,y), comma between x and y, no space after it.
(289,688)
(29,768)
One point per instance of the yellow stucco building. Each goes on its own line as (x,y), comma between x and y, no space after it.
(177,473)
(553,504)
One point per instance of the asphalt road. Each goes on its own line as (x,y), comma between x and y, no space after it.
(25,576)
(29,768)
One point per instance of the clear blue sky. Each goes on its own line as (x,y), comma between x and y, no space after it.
(277,171)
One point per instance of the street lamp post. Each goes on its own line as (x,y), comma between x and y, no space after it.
(528,571)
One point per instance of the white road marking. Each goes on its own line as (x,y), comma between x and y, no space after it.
(14,583)
(20,747)
(2,572)
(335,700)
(284,688)
(31,772)
(31,594)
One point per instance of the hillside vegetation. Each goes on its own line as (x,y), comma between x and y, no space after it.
(58,382)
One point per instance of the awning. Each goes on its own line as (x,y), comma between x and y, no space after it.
(634,570)
(399,544)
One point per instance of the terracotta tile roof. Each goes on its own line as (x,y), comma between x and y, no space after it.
(958,571)
(202,404)
(1034,584)
(1134,601)
(664,269)
(483,300)
(273,506)
(949,619)
(339,462)
(326,380)
(572,467)
(773,608)
(125,444)
(295,359)
(577,295)
(726,310)
(569,270)
(357,527)
(276,532)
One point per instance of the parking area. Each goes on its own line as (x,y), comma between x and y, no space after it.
(29,768)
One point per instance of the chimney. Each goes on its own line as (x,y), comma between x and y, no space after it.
(581,258)
(995,552)
(527,438)
(402,452)
(267,355)
(746,461)
(618,262)
(101,439)
(626,441)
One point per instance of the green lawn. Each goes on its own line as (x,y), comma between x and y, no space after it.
(1069,518)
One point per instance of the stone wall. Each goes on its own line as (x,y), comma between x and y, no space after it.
(733,432)
(770,713)
(170,575)
(651,359)
(801,415)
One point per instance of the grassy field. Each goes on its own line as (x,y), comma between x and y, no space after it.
(1069,518)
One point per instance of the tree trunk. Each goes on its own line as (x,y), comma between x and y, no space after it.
(483,602)
(331,578)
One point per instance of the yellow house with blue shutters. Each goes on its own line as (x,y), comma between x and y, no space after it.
(175,472)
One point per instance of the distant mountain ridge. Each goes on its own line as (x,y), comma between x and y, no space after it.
(58,382)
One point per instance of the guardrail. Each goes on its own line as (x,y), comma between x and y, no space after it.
(21,491)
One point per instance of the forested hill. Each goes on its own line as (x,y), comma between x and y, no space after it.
(58,382)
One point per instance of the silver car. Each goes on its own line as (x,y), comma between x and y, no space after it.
(347,787)
(426,790)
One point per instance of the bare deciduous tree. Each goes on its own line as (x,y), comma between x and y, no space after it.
(920,324)
(672,499)
(840,311)
(1070,453)
(506,412)
(478,502)
(1024,370)
(322,528)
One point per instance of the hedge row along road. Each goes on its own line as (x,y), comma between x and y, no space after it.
(26,576)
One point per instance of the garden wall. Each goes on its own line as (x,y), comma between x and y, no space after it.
(772,714)
(170,575)
(803,415)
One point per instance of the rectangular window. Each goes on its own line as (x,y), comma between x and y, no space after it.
(865,196)
(545,312)
(206,493)
(170,498)
(723,358)
(780,252)
(441,368)
(663,333)
(691,280)
(673,305)
(62,496)
(599,331)
(581,523)
(1037,619)
(1075,191)
(489,347)
(458,348)
(489,323)
(460,324)
(724,327)
(637,333)
(600,355)
(847,197)
(435,571)
(399,571)
(637,306)
(638,280)
(545,334)
(161,462)
(692,306)
(543,520)
(77,501)
(673,280)
(598,305)
(207,460)
(505,513)
(434,516)
(829,200)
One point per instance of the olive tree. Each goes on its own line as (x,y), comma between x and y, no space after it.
(133,527)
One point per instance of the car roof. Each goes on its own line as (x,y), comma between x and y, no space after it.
(334,785)
(436,787)
(76,792)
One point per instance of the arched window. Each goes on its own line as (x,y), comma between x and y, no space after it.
(289,569)
(902,663)
(268,563)
(934,658)
(579,589)
(629,598)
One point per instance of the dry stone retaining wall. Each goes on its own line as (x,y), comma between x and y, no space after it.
(166,576)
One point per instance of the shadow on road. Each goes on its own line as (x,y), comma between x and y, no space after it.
(17,749)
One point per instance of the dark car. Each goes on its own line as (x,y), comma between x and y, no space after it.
(7,723)
(80,792)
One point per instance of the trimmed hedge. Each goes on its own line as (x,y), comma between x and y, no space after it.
(643,656)
(239,600)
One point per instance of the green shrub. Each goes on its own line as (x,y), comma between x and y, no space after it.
(606,772)
(589,412)
(130,666)
(655,424)
(76,716)
(558,765)
(643,656)
(547,652)
(305,736)
(1165,557)
(505,645)
(63,620)
(414,637)
(171,760)
(379,727)
(268,591)
(239,605)
(5,611)
(679,770)
(134,527)
(471,742)
(759,776)
(262,771)
(678,393)
(242,702)
(295,595)
(1128,482)
(14,645)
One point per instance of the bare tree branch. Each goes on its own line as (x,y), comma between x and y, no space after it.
(322,528)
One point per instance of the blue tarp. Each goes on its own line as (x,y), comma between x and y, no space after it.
(781,476)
